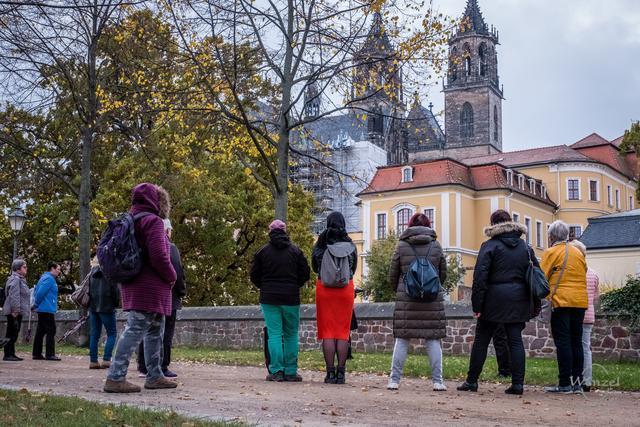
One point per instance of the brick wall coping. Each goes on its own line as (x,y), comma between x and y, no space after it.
(382,310)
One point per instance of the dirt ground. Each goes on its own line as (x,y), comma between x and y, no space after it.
(240,393)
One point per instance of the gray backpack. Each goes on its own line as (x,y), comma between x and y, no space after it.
(335,271)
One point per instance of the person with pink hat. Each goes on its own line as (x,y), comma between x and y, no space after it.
(279,270)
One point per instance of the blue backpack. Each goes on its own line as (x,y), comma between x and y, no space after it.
(118,252)
(421,281)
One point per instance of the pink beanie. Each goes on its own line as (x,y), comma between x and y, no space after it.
(277,225)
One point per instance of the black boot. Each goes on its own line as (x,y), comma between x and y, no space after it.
(340,376)
(467,386)
(331,376)
(515,389)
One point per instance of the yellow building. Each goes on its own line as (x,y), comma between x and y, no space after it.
(538,186)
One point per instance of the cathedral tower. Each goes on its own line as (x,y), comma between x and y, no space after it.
(472,95)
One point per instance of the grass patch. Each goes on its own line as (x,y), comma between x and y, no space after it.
(607,375)
(23,409)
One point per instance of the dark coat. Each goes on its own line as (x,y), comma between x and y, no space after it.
(151,289)
(180,287)
(279,269)
(500,291)
(412,318)
(335,233)
(105,295)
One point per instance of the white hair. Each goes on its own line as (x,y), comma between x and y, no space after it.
(558,231)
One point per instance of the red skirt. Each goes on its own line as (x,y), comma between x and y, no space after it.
(334,307)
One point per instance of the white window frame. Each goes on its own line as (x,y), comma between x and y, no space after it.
(528,233)
(597,181)
(573,226)
(407,169)
(394,212)
(579,189)
(631,202)
(543,191)
(609,196)
(386,225)
(435,211)
(617,198)
(509,177)
(521,181)
(539,235)
(514,215)
(532,185)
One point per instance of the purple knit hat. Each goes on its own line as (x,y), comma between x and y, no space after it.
(277,225)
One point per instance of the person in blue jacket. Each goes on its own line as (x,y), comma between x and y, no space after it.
(46,305)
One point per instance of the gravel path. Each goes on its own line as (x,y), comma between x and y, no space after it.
(240,393)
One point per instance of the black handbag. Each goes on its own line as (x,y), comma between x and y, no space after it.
(536,279)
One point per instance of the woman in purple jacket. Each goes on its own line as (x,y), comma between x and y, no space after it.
(147,297)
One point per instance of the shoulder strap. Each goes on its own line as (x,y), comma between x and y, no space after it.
(564,266)
(430,244)
(140,215)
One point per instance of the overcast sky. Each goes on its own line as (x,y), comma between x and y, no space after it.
(569,67)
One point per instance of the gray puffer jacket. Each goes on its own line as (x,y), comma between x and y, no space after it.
(17,296)
(412,318)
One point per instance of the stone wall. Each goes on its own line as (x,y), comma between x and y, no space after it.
(241,327)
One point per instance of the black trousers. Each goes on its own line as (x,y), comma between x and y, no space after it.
(566,329)
(46,328)
(484,333)
(167,343)
(501,345)
(13,331)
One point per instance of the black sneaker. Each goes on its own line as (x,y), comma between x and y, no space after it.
(277,377)
(517,389)
(38,357)
(565,389)
(586,388)
(295,378)
(466,386)
(11,359)
(53,358)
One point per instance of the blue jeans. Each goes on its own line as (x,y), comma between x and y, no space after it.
(108,320)
(141,325)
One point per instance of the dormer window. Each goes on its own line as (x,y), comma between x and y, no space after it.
(521,182)
(407,174)
(532,185)
(509,177)
(543,191)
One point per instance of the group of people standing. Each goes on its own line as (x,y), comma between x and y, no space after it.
(501,300)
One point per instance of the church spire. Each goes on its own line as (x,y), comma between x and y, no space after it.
(473,20)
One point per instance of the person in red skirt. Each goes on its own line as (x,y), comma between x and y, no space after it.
(334,305)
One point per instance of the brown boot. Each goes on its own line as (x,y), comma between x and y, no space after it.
(125,386)
(94,365)
(158,383)
(105,364)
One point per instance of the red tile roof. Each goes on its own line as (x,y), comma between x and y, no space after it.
(590,141)
(557,153)
(610,155)
(451,172)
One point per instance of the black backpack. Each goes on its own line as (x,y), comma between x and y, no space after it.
(3,297)
(118,252)
(421,281)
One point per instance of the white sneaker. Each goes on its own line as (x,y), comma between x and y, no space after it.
(392,385)
(439,387)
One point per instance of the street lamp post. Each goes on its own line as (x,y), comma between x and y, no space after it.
(17,218)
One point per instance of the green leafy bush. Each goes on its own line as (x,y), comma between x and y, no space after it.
(624,302)
(376,282)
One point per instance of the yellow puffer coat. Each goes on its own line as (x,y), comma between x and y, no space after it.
(572,290)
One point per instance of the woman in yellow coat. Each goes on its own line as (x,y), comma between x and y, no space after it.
(566,270)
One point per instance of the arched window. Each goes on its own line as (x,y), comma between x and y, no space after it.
(467,60)
(482,55)
(402,220)
(407,174)
(453,66)
(466,121)
(495,123)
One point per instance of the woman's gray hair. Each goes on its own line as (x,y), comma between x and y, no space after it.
(17,264)
(558,231)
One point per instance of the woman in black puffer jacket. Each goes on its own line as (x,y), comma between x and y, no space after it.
(500,294)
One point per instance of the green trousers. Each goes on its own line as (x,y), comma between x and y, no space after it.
(282,326)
